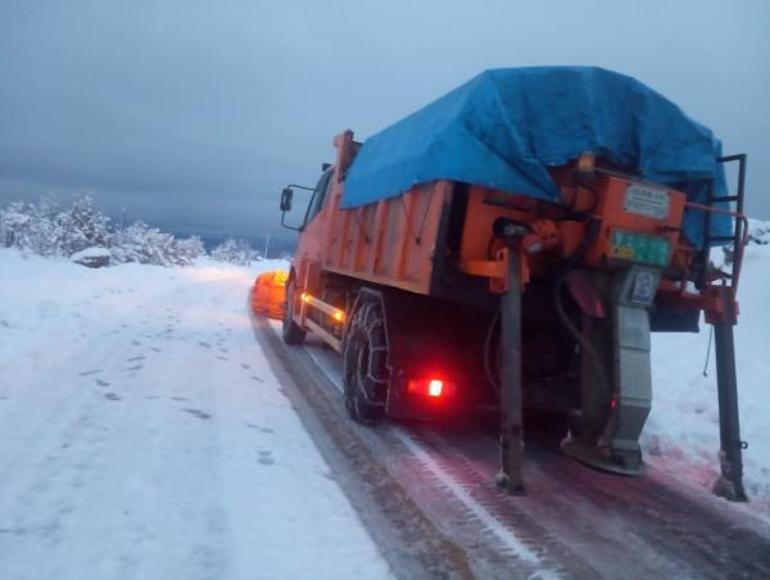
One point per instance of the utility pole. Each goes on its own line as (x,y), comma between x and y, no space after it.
(267,245)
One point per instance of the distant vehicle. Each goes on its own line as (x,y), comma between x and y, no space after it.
(513,244)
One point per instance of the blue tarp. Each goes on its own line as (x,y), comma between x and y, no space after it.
(505,127)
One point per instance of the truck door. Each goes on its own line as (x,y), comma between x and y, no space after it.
(311,239)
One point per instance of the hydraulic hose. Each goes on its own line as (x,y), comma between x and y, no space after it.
(593,230)
(488,352)
(576,334)
(585,344)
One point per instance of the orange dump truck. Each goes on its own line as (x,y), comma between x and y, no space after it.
(511,246)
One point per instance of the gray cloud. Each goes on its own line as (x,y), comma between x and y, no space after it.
(196,113)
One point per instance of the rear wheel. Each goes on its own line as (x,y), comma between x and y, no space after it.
(365,364)
(292,333)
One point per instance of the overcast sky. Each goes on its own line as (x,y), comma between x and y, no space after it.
(195,113)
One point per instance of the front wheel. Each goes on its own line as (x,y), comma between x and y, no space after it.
(292,333)
(365,365)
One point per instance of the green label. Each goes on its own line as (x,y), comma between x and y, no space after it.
(640,248)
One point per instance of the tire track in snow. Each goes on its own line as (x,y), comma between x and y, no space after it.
(522,547)
(584,523)
(412,544)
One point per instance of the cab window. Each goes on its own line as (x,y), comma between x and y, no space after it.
(319,195)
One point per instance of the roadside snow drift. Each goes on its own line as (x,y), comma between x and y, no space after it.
(144,435)
(682,433)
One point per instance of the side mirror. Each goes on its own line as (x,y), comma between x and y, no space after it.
(286,197)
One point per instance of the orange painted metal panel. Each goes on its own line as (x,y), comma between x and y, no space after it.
(610,207)
(390,242)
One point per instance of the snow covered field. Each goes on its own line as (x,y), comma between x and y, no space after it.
(144,436)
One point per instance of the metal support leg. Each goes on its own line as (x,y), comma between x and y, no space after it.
(730,483)
(511,432)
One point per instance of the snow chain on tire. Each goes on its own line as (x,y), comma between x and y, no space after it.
(365,346)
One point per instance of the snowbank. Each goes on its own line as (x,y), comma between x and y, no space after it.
(94,257)
(144,435)
(682,433)
(93,252)
(759,232)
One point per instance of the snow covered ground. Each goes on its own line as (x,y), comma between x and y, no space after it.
(144,436)
(682,433)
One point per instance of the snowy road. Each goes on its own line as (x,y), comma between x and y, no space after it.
(574,522)
(144,435)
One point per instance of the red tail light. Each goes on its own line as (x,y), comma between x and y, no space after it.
(434,388)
